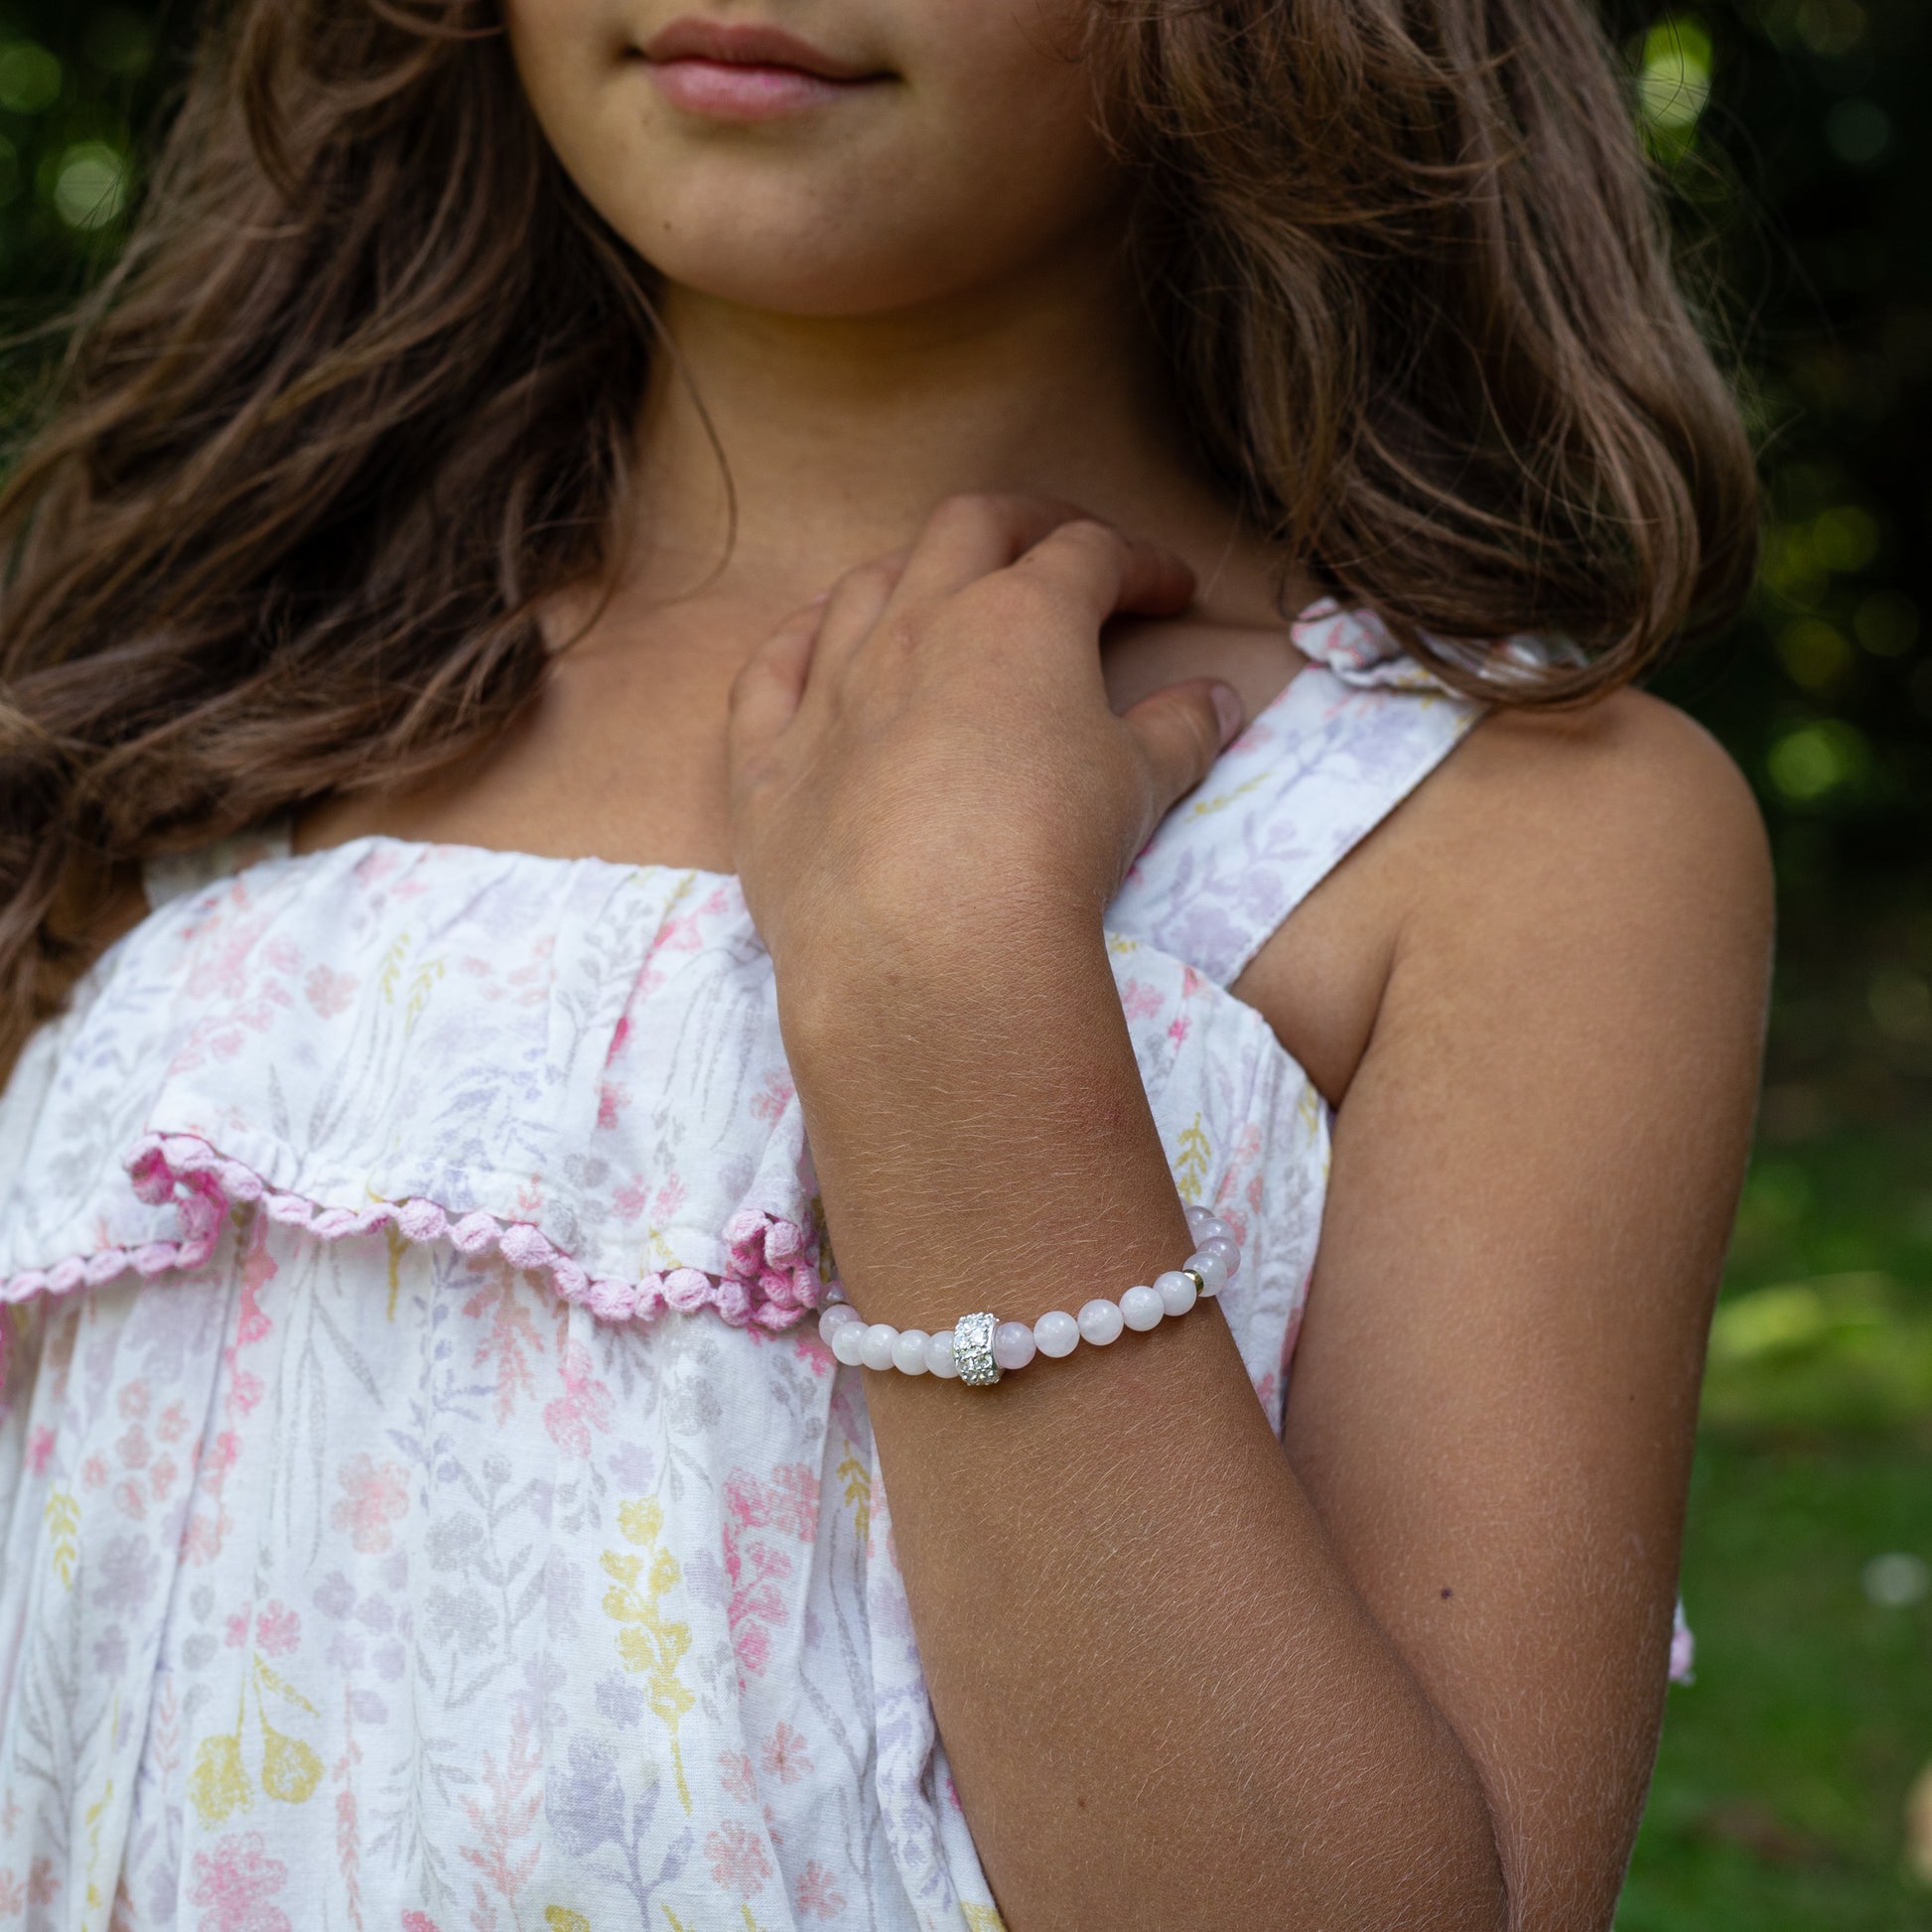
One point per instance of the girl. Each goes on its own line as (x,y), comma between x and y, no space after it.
(653,640)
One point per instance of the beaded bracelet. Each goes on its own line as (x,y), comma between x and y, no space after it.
(978,1348)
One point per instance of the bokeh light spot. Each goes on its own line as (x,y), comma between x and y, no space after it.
(30,78)
(91,184)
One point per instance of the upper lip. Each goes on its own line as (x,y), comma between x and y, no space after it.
(747,45)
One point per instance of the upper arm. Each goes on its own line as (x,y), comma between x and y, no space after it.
(1535,1172)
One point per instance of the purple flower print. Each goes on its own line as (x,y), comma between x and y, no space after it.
(585,1805)
(619,1703)
(128,1572)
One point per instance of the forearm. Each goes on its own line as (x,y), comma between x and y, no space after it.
(1162,1699)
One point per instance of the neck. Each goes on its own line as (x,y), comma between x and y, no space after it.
(839,435)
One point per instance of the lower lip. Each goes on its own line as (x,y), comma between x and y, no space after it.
(721,90)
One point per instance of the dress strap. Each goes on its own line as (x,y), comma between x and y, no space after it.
(174,874)
(1315,773)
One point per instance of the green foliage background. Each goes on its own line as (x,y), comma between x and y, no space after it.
(1792,136)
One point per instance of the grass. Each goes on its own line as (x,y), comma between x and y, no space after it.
(1780,1796)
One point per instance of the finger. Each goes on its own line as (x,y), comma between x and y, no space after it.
(969,537)
(852,608)
(765,694)
(1182,730)
(1103,573)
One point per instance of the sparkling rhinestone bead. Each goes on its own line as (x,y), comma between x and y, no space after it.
(972,1348)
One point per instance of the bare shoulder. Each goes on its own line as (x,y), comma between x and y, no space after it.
(1627,814)
(1618,841)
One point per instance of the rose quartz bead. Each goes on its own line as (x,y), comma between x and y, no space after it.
(1219,1244)
(1211,1269)
(1198,1220)
(1177,1294)
(1100,1323)
(938,1354)
(1013,1345)
(833,1318)
(848,1340)
(875,1345)
(1212,1228)
(1141,1309)
(1056,1335)
(908,1351)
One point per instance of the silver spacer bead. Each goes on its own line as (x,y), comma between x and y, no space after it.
(972,1348)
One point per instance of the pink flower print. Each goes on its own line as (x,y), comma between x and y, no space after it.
(771,1101)
(132,1401)
(329,991)
(93,1473)
(1139,1001)
(628,1203)
(234,1884)
(237,1628)
(172,1425)
(735,1775)
(612,1099)
(818,1894)
(418,1922)
(374,1500)
(585,1404)
(738,1859)
(788,1502)
(132,1448)
(1177,1032)
(277,1630)
(39,1889)
(40,1450)
(784,1755)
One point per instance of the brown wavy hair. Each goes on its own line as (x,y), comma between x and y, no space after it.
(358,397)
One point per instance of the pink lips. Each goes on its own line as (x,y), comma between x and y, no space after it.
(747,72)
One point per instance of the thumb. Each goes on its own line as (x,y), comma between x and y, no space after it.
(1182,730)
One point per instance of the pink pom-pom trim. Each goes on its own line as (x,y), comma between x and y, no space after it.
(772,1282)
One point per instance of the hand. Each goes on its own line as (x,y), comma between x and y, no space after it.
(930,747)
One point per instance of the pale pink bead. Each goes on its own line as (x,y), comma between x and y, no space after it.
(834,1317)
(1198,1220)
(1212,1228)
(1177,1294)
(1219,1244)
(938,1354)
(1056,1335)
(1211,1269)
(847,1339)
(875,1345)
(1141,1309)
(908,1351)
(1013,1345)
(1100,1323)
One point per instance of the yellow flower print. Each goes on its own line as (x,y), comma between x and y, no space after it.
(63,1517)
(560,1918)
(983,1918)
(650,1643)
(858,1492)
(219,1784)
(1190,1169)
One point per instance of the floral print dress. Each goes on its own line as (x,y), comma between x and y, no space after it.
(425,1501)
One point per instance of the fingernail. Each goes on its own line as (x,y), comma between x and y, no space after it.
(1229,711)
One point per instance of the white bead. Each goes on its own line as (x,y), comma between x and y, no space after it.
(938,1355)
(1197,1219)
(875,1345)
(1176,1290)
(834,1316)
(1013,1345)
(847,1339)
(1211,1229)
(1056,1335)
(1100,1323)
(908,1351)
(1141,1309)
(1211,1269)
